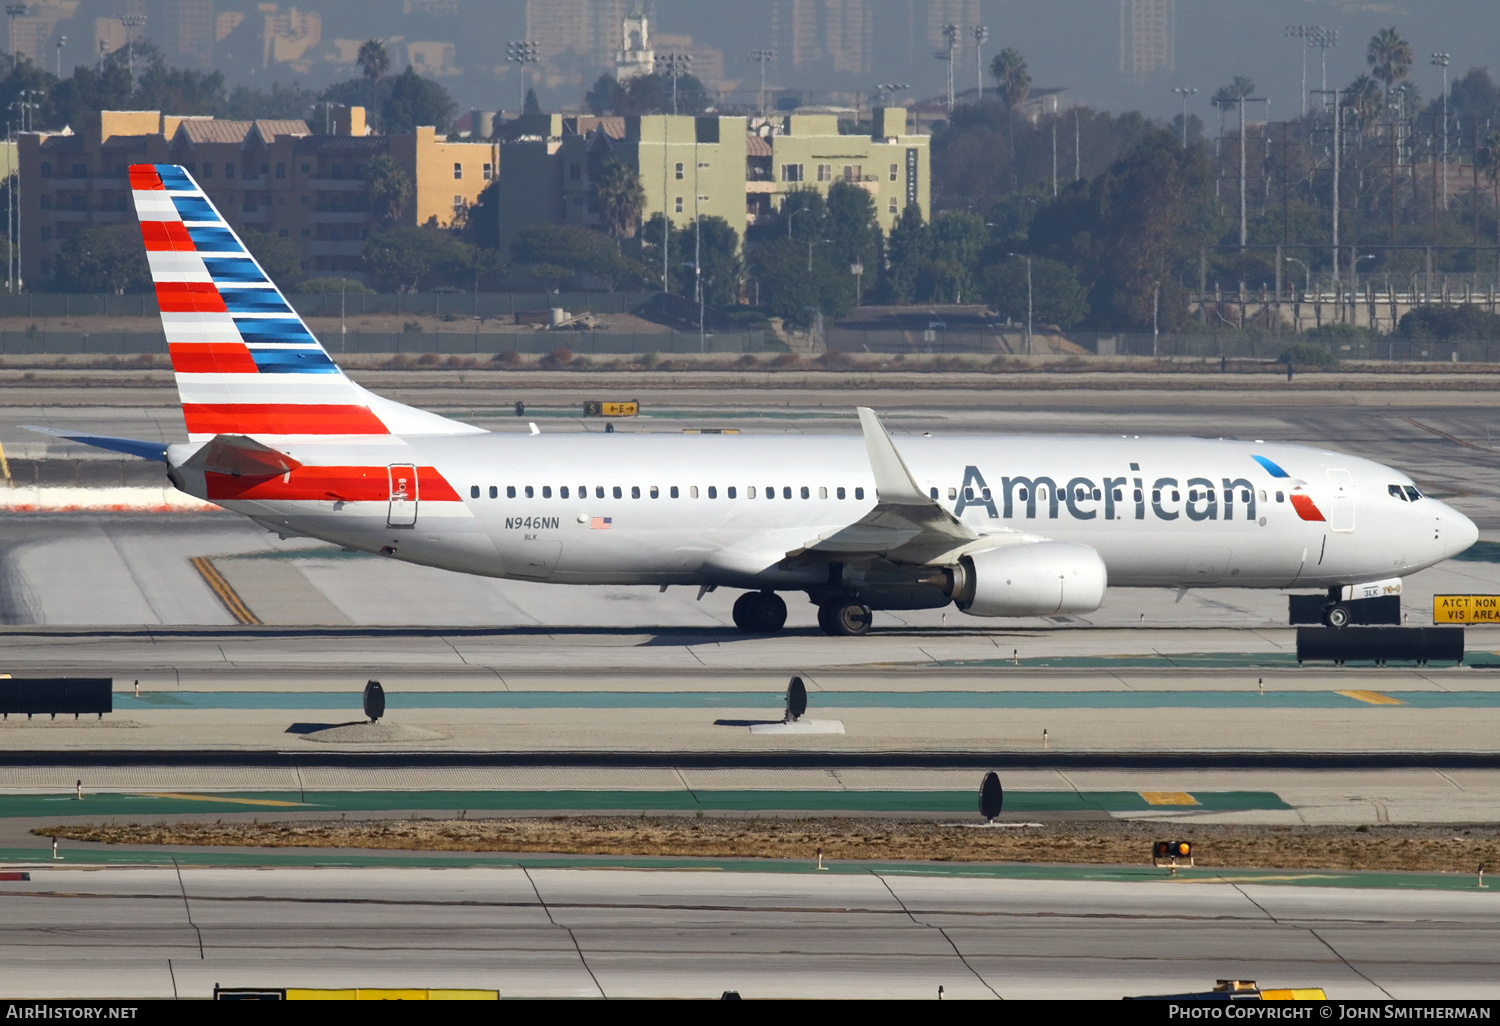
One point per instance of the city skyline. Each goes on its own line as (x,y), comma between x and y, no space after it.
(1110,54)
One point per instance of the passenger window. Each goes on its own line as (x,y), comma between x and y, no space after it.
(1156,495)
(749,491)
(673,492)
(771,492)
(546,491)
(1245,496)
(1023,493)
(859,493)
(952,493)
(823,492)
(1096,494)
(1176,495)
(598,491)
(1262,495)
(985,493)
(562,493)
(840,493)
(786,493)
(1138,496)
(933,493)
(1193,495)
(510,491)
(692,491)
(474,492)
(806,492)
(635,491)
(1280,497)
(969,495)
(1118,494)
(494,492)
(655,491)
(729,492)
(1041,493)
(618,493)
(713,493)
(529,493)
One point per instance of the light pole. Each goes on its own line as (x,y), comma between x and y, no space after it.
(131,23)
(1184,92)
(1307,33)
(858,270)
(981,35)
(1441,60)
(889,90)
(950,34)
(810,244)
(522,52)
(791,217)
(1026,258)
(14,11)
(1324,39)
(1155,317)
(675,65)
(61,42)
(1242,101)
(763,57)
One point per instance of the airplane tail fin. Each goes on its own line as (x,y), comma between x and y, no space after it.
(245,362)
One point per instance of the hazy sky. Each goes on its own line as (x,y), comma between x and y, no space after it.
(1068,43)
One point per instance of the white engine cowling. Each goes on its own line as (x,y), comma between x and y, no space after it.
(1039,579)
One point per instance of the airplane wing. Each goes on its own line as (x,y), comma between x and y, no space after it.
(907,525)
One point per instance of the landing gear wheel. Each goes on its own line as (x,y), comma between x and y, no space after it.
(759,612)
(1337,616)
(845,619)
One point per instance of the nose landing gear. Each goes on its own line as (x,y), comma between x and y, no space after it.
(759,612)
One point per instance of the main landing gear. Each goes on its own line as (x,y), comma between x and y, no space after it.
(759,612)
(844,618)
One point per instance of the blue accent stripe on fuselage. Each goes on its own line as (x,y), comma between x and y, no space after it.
(1271,468)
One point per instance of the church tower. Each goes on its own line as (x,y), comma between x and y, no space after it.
(635,57)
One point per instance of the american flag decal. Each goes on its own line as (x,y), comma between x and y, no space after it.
(600,523)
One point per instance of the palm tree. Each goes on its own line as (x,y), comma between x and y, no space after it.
(617,188)
(1389,56)
(1367,99)
(1011,75)
(373,60)
(388,188)
(1243,87)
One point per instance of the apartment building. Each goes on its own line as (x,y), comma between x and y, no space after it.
(729,167)
(272,176)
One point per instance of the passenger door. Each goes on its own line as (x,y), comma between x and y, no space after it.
(403,509)
(1340,501)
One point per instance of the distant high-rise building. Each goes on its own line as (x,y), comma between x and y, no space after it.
(850,32)
(838,31)
(190,27)
(962,13)
(1148,37)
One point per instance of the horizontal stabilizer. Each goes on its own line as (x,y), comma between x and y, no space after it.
(133,446)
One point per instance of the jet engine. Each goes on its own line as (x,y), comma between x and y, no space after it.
(1039,579)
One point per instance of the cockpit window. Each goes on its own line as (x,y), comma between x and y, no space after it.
(1412,494)
(1397,492)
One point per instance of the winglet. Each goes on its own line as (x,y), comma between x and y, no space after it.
(893,481)
(156,451)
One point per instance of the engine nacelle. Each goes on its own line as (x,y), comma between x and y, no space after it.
(1040,579)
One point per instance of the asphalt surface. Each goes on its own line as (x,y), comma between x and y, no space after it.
(160,932)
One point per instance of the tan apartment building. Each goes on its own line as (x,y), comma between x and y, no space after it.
(273,176)
(713,166)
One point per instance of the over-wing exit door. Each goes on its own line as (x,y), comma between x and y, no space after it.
(403,511)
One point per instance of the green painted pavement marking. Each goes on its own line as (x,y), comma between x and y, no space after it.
(105,855)
(956,802)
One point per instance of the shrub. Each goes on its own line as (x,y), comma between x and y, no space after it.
(332,287)
(1308,354)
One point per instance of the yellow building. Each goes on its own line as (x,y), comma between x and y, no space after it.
(272,176)
(709,166)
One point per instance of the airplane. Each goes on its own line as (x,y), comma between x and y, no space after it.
(996,525)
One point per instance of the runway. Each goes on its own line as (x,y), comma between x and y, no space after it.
(537,932)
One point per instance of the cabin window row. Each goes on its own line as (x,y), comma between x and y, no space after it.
(674,492)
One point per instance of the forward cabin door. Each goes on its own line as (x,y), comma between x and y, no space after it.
(403,511)
(1341,501)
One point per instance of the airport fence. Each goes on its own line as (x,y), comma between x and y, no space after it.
(428,304)
(583,343)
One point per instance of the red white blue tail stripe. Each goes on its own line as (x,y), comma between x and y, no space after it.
(244,360)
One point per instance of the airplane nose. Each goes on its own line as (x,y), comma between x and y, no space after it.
(1458,532)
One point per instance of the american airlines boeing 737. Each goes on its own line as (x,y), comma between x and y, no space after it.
(999,526)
